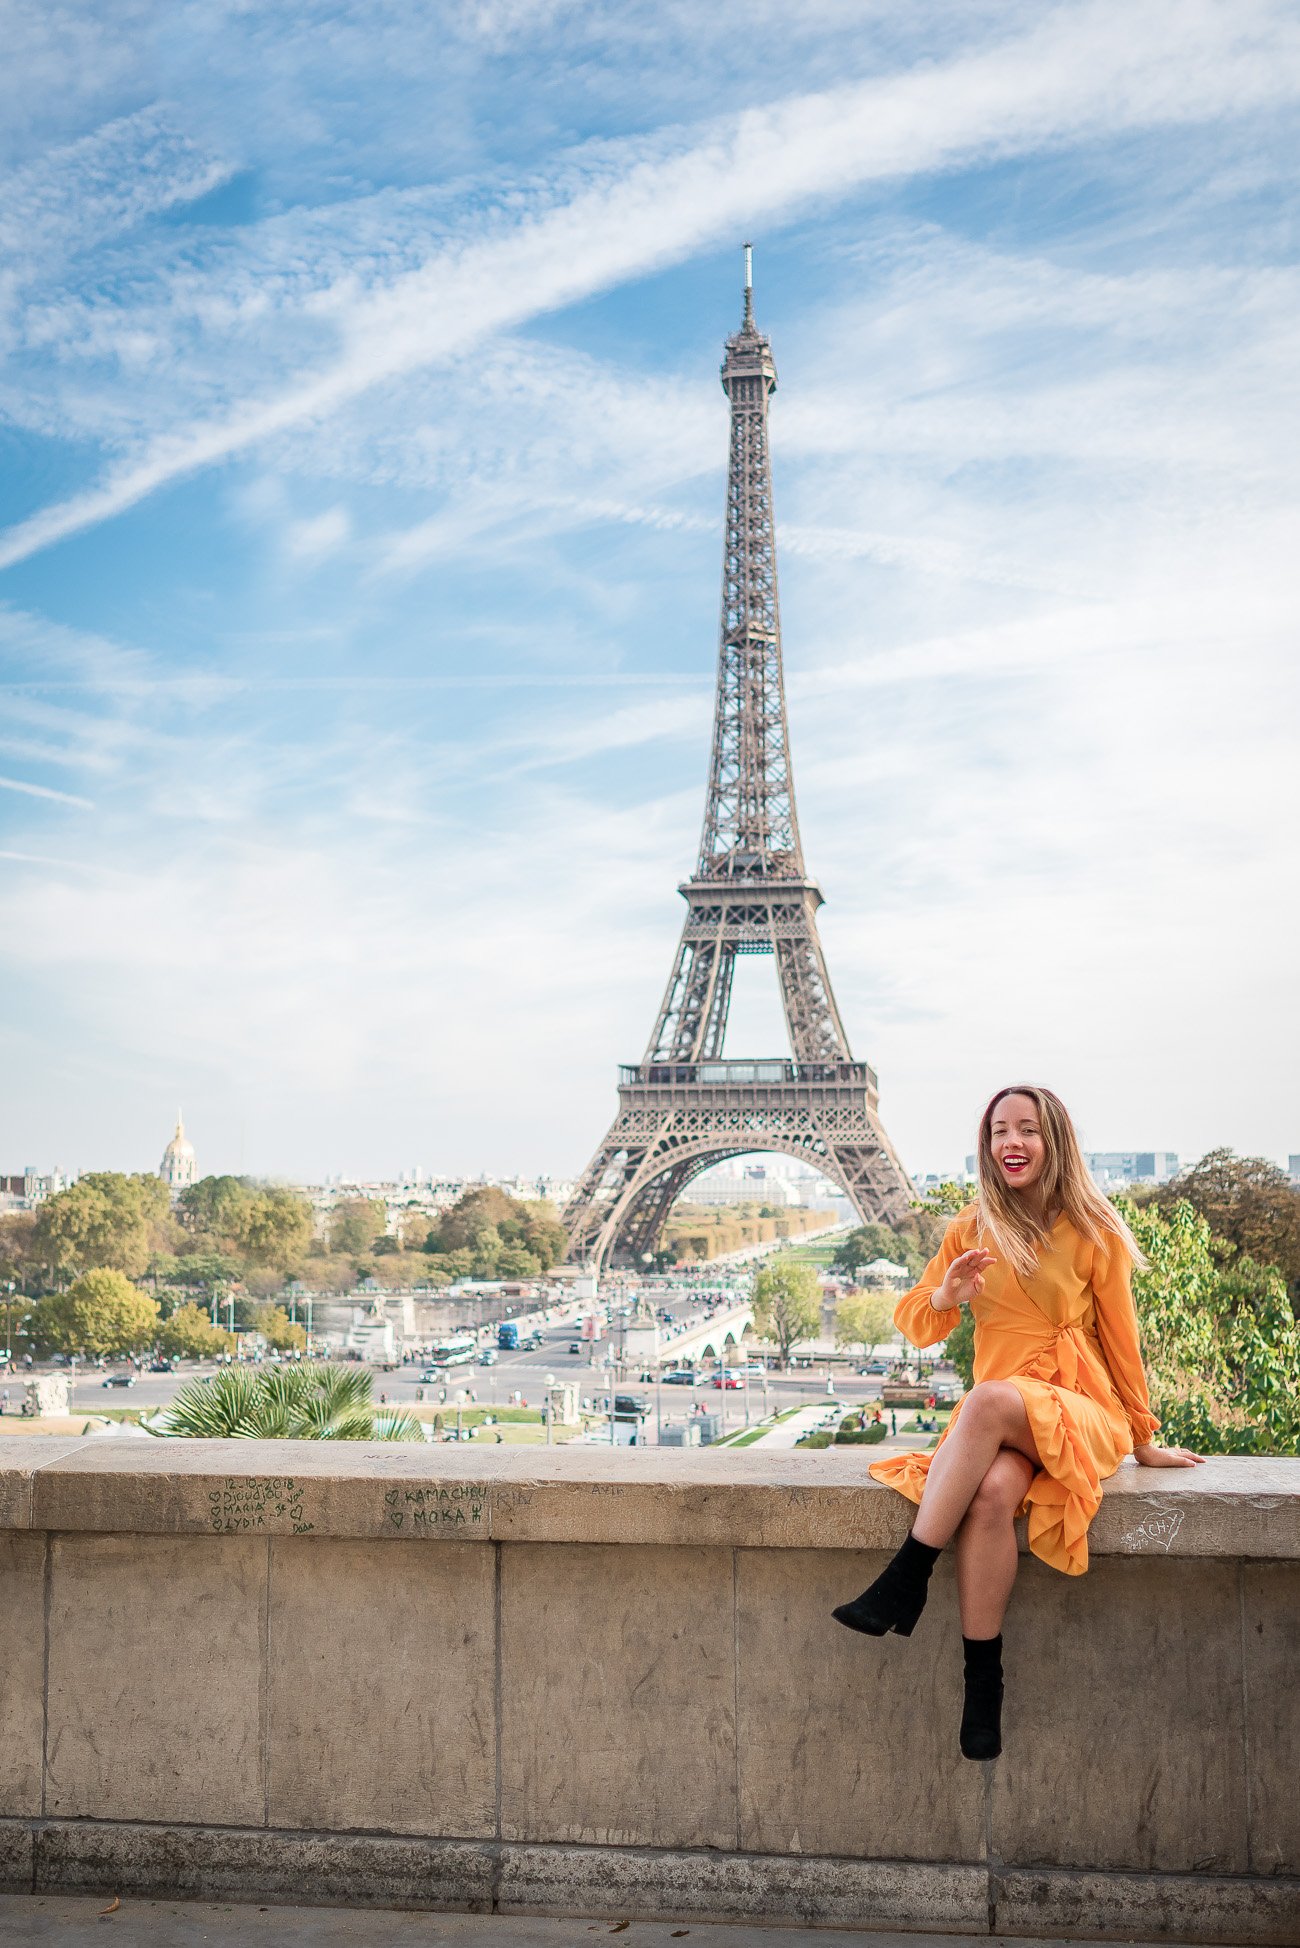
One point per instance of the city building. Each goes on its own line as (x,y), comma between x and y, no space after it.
(1112,1168)
(25,1192)
(179,1167)
(1293,1168)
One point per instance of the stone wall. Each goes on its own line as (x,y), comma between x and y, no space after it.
(607,1683)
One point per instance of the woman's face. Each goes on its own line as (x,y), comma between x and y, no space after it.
(1016,1134)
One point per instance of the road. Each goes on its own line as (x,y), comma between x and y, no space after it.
(520,1378)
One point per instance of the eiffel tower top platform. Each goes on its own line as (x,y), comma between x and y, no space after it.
(686,1106)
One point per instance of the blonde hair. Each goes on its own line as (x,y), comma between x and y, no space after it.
(1066,1185)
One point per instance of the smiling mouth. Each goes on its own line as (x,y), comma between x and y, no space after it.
(1014,1165)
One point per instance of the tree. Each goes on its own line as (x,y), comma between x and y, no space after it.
(486,1220)
(278,1330)
(356,1223)
(277,1228)
(104,1220)
(1219,1340)
(17,1240)
(959,1346)
(863,1319)
(103,1314)
(787,1305)
(1249,1204)
(267,1225)
(286,1403)
(188,1333)
(872,1241)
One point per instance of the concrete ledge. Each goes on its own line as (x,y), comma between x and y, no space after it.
(382,1870)
(1155,1907)
(1241,1508)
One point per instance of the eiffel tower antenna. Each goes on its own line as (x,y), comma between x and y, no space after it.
(683,1107)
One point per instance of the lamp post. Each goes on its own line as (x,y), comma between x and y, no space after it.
(550,1406)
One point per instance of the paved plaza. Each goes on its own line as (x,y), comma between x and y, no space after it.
(79,1923)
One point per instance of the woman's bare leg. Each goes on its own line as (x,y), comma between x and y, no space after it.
(987,1558)
(992,1417)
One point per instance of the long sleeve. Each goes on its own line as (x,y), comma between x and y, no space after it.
(914,1315)
(1117,1329)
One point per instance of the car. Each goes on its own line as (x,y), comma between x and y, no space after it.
(874,1366)
(679,1376)
(575,1345)
(629,1406)
(728,1379)
(119,1380)
(488,1357)
(162,1366)
(431,1376)
(756,1369)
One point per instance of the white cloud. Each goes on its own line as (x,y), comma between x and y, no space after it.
(1080,72)
(45,791)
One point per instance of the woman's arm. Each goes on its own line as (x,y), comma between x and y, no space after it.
(1117,1329)
(916,1315)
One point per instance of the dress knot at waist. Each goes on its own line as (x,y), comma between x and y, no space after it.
(1060,1358)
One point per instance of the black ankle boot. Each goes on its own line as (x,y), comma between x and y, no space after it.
(897,1597)
(981,1718)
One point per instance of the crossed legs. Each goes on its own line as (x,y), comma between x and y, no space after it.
(977,1481)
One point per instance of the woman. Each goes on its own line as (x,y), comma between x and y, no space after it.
(1043,1260)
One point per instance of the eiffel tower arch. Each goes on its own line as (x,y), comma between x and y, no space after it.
(683,1107)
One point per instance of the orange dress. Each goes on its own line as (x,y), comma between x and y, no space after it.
(1067,1339)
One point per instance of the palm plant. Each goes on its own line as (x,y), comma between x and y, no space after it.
(284,1403)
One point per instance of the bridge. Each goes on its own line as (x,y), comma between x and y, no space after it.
(714,1338)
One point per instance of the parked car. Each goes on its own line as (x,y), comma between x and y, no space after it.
(629,1406)
(874,1366)
(679,1376)
(161,1366)
(119,1380)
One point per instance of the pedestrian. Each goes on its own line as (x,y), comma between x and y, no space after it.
(1061,1397)
(893,1421)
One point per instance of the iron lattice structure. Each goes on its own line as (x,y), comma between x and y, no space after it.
(684,1108)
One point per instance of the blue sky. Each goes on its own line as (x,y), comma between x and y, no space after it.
(360,514)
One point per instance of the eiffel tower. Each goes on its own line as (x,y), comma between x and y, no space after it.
(684,1107)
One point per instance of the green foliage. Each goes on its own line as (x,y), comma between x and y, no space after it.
(102,1315)
(267,1225)
(286,1403)
(489,1234)
(187,1333)
(278,1330)
(820,1439)
(105,1220)
(959,1346)
(357,1224)
(1220,1341)
(860,1436)
(872,1241)
(864,1319)
(1250,1205)
(787,1305)
(17,1234)
(946,1200)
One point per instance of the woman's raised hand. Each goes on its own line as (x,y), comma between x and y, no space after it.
(964,1279)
